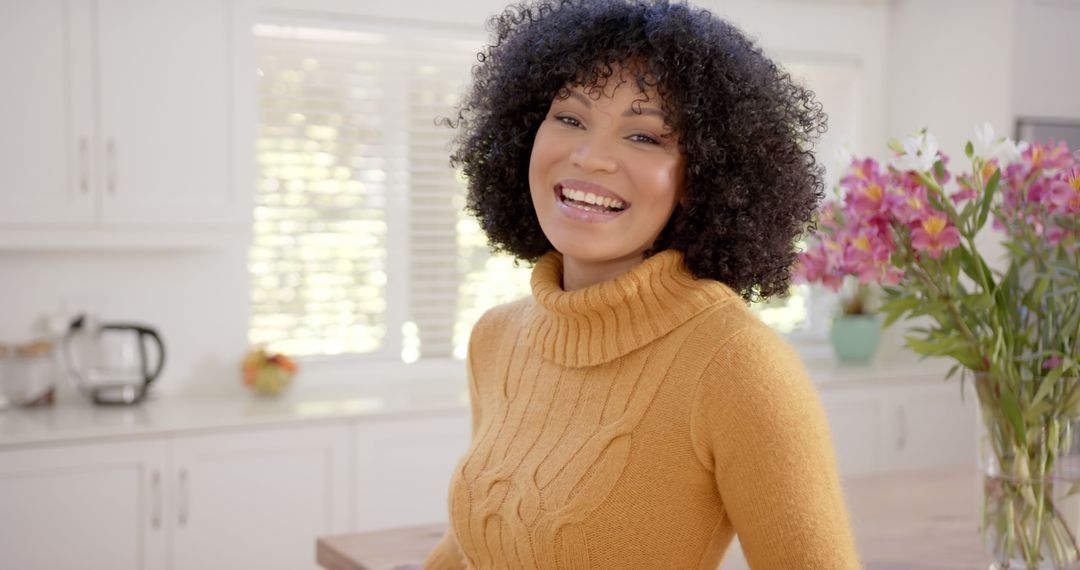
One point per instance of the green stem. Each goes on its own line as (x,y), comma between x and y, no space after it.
(950,305)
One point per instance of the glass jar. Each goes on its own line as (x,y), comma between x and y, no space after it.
(31,375)
(1030,456)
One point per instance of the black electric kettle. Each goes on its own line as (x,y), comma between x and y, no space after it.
(110,362)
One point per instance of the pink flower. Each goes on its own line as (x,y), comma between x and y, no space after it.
(860,170)
(911,205)
(866,195)
(867,255)
(967,184)
(935,236)
(1052,362)
(1047,156)
(1063,195)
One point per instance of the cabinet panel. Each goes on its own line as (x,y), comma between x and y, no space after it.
(932,427)
(403,469)
(854,420)
(258,499)
(87,506)
(45,109)
(166,144)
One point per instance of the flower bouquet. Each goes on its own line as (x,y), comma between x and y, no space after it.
(910,225)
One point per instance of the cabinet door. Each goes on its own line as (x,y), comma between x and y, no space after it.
(45,109)
(403,468)
(258,499)
(931,427)
(854,420)
(83,506)
(167,148)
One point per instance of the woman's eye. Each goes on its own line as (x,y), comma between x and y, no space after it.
(568,120)
(644,139)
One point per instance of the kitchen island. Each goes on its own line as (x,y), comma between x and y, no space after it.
(913,520)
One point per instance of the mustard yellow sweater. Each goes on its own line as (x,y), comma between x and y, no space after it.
(639,424)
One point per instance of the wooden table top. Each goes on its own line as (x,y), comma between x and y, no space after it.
(917,520)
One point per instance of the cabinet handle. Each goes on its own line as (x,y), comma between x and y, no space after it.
(110,149)
(901,436)
(155,481)
(183,511)
(84,165)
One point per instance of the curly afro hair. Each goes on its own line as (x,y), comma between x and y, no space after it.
(745,128)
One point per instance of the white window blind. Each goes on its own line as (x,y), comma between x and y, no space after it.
(361,244)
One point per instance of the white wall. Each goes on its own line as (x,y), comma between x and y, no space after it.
(949,69)
(1047,59)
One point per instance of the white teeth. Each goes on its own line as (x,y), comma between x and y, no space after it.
(590,198)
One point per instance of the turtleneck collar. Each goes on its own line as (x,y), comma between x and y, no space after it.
(605,321)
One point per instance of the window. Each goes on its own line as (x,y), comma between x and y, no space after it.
(361,245)
(348,152)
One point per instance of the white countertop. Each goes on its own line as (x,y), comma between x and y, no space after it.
(72,418)
(75,419)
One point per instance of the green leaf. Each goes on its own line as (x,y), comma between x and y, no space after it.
(924,347)
(968,264)
(988,199)
(1012,412)
(1017,251)
(969,149)
(1047,384)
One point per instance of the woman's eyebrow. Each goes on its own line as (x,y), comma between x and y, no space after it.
(644,111)
(584,99)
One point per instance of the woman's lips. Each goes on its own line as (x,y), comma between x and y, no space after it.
(580,214)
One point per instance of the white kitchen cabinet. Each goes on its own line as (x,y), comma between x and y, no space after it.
(855,423)
(931,426)
(167,142)
(258,499)
(83,506)
(46,108)
(899,426)
(403,468)
(125,114)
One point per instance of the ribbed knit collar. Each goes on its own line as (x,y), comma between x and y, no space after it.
(605,321)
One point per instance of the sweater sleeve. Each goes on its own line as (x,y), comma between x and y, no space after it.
(447,553)
(758,425)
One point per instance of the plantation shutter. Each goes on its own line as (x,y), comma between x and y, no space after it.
(361,244)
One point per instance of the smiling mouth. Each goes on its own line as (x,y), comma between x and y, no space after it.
(589,202)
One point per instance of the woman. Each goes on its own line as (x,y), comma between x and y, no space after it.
(633,413)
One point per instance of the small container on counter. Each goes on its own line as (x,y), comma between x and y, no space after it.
(30,374)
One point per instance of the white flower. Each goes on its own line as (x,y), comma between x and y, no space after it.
(1003,149)
(920,153)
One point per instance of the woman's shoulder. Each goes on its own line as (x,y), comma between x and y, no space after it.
(745,347)
(502,319)
(730,324)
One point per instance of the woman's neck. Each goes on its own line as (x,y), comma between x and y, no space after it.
(579,274)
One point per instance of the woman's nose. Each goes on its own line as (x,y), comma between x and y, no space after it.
(593,156)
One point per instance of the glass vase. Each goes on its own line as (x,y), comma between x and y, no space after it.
(1029,453)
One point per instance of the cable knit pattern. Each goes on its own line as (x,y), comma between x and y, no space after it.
(640,423)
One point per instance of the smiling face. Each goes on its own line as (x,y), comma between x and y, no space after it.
(605,174)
